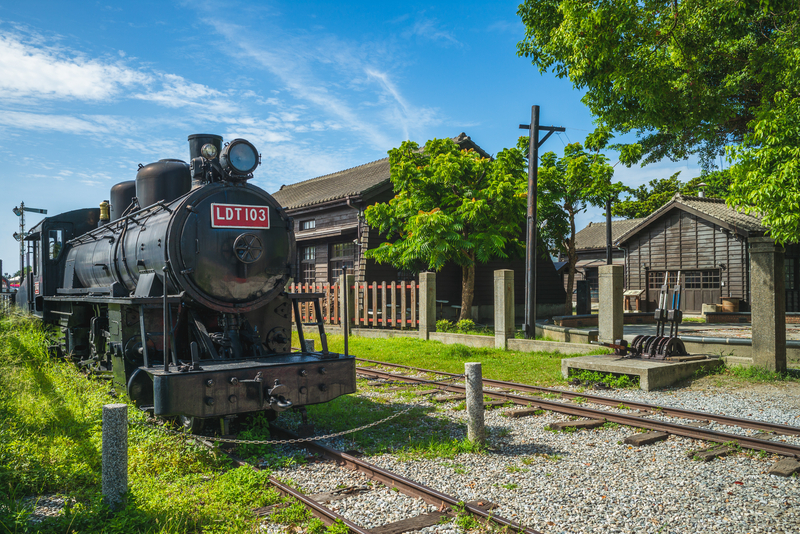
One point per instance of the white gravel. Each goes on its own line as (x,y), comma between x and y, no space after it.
(588,481)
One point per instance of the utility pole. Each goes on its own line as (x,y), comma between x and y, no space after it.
(20,212)
(532,235)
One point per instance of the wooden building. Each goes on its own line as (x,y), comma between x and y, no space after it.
(331,232)
(707,242)
(590,245)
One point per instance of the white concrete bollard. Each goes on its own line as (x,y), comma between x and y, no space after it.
(115,454)
(475,428)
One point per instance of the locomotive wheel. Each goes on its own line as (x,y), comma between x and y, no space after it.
(192,425)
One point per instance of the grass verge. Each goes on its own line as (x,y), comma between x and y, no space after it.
(535,368)
(50,443)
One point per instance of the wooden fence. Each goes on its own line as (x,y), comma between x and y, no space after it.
(376,305)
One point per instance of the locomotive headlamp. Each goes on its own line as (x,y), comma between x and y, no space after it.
(239,158)
(209,151)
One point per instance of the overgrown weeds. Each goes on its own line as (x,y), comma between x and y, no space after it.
(50,443)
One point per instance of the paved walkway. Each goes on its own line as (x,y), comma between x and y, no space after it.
(703,329)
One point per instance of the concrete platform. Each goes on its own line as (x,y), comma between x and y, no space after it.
(653,374)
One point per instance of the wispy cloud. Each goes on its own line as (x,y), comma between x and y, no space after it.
(29,71)
(431,29)
(76,125)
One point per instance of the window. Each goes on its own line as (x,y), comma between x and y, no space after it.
(55,242)
(655,279)
(711,279)
(308,225)
(790,266)
(308,267)
(693,280)
(342,255)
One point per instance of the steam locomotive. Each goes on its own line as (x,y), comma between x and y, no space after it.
(176,287)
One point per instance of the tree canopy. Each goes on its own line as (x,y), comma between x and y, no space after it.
(691,77)
(451,205)
(644,200)
(567,186)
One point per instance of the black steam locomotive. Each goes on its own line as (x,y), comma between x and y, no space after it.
(176,286)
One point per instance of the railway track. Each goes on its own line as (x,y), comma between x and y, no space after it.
(747,442)
(446,504)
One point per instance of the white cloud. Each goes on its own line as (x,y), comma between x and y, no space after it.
(78,125)
(306,63)
(176,92)
(28,71)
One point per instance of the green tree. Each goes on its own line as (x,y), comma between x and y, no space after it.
(644,200)
(451,205)
(567,186)
(692,77)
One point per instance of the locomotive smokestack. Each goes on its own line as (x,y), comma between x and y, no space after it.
(196,142)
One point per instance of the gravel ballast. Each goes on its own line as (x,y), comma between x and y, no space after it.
(588,480)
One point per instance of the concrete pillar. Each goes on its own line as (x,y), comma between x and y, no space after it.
(503,307)
(347,285)
(768,303)
(115,454)
(475,427)
(609,320)
(427,304)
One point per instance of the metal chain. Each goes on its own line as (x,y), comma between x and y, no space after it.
(428,381)
(270,441)
(284,441)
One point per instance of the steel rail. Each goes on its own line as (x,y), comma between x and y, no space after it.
(326,515)
(746,442)
(403,484)
(753,424)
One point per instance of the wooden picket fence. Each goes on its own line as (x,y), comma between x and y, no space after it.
(377,305)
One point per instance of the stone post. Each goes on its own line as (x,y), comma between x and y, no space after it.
(115,454)
(503,307)
(309,345)
(475,428)
(609,320)
(427,304)
(768,304)
(347,285)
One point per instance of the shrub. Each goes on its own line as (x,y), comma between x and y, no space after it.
(443,325)
(465,325)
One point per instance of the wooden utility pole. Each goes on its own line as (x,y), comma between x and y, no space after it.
(532,234)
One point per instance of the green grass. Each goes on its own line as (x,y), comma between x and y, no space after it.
(612,380)
(751,374)
(50,443)
(536,368)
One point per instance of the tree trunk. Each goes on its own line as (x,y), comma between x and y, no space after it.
(572,258)
(467,288)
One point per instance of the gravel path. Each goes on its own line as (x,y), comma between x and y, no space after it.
(589,481)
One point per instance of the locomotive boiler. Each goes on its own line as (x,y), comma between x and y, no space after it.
(176,286)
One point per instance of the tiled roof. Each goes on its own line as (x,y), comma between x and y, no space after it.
(349,182)
(714,208)
(594,235)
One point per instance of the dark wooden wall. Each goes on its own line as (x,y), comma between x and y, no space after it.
(683,241)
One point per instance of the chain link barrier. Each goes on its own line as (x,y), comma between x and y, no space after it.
(184,434)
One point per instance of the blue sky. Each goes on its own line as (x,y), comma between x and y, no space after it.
(90,90)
